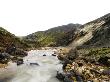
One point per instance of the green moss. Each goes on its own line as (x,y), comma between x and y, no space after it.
(99,52)
(50,38)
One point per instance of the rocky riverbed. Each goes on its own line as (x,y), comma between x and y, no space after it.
(36,68)
(43,65)
(79,68)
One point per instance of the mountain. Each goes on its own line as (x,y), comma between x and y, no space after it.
(94,34)
(6,39)
(89,55)
(92,41)
(57,36)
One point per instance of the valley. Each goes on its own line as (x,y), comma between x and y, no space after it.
(67,53)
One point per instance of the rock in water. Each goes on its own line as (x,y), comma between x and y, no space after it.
(44,55)
(66,79)
(4,58)
(60,76)
(34,64)
(19,61)
(53,55)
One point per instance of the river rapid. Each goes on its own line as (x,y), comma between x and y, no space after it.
(39,66)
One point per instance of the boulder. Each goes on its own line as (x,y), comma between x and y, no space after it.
(106,72)
(4,55)
(34,64)
(104,60)
(79,78)
(4,58)
(60,76)
(44,55)
(66,79)
(53,55)
(20,53)
(19,61)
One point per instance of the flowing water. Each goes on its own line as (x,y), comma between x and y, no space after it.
(45,71)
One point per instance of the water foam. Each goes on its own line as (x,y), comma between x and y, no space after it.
(45,72)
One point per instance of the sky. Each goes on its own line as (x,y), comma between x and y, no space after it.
(22,17)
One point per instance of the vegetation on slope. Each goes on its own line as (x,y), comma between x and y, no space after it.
(6,39)
(58,36)
(94,34)
(11,47)
(89,58)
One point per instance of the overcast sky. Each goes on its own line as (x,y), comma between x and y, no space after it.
(22,17)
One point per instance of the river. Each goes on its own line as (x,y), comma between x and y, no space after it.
(45,71)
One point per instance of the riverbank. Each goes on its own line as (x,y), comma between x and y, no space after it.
(82,66)
(36,68)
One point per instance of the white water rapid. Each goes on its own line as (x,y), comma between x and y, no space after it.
(45,71)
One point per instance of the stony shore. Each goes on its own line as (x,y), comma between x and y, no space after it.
(78,69)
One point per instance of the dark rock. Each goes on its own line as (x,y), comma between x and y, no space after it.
(60,57)
(80,64)
(85,60)
(12,50)
(4,58)
(106,72)
(104,60)
(66,79)
(53,55)
(79,78)
(19,61)
(34,64)
(4,55)
(44,55)
(60,76)
(20,53)
(73,54)
(66,61)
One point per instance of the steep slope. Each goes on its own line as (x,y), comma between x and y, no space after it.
(89,57)
(58,36)
(6,39)
(94,34)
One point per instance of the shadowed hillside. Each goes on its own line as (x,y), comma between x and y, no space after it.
(6,39)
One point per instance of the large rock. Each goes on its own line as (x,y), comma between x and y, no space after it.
(20,53)
(4,58)
(106,72)
(104,60)
(34,64)
(60,76)
(19,61)
(11,53)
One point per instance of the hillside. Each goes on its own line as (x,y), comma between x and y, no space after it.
(57,36)
(89,57)
(84,50)
(94,34)
(6,39)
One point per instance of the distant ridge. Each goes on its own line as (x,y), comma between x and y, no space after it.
(57,36)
